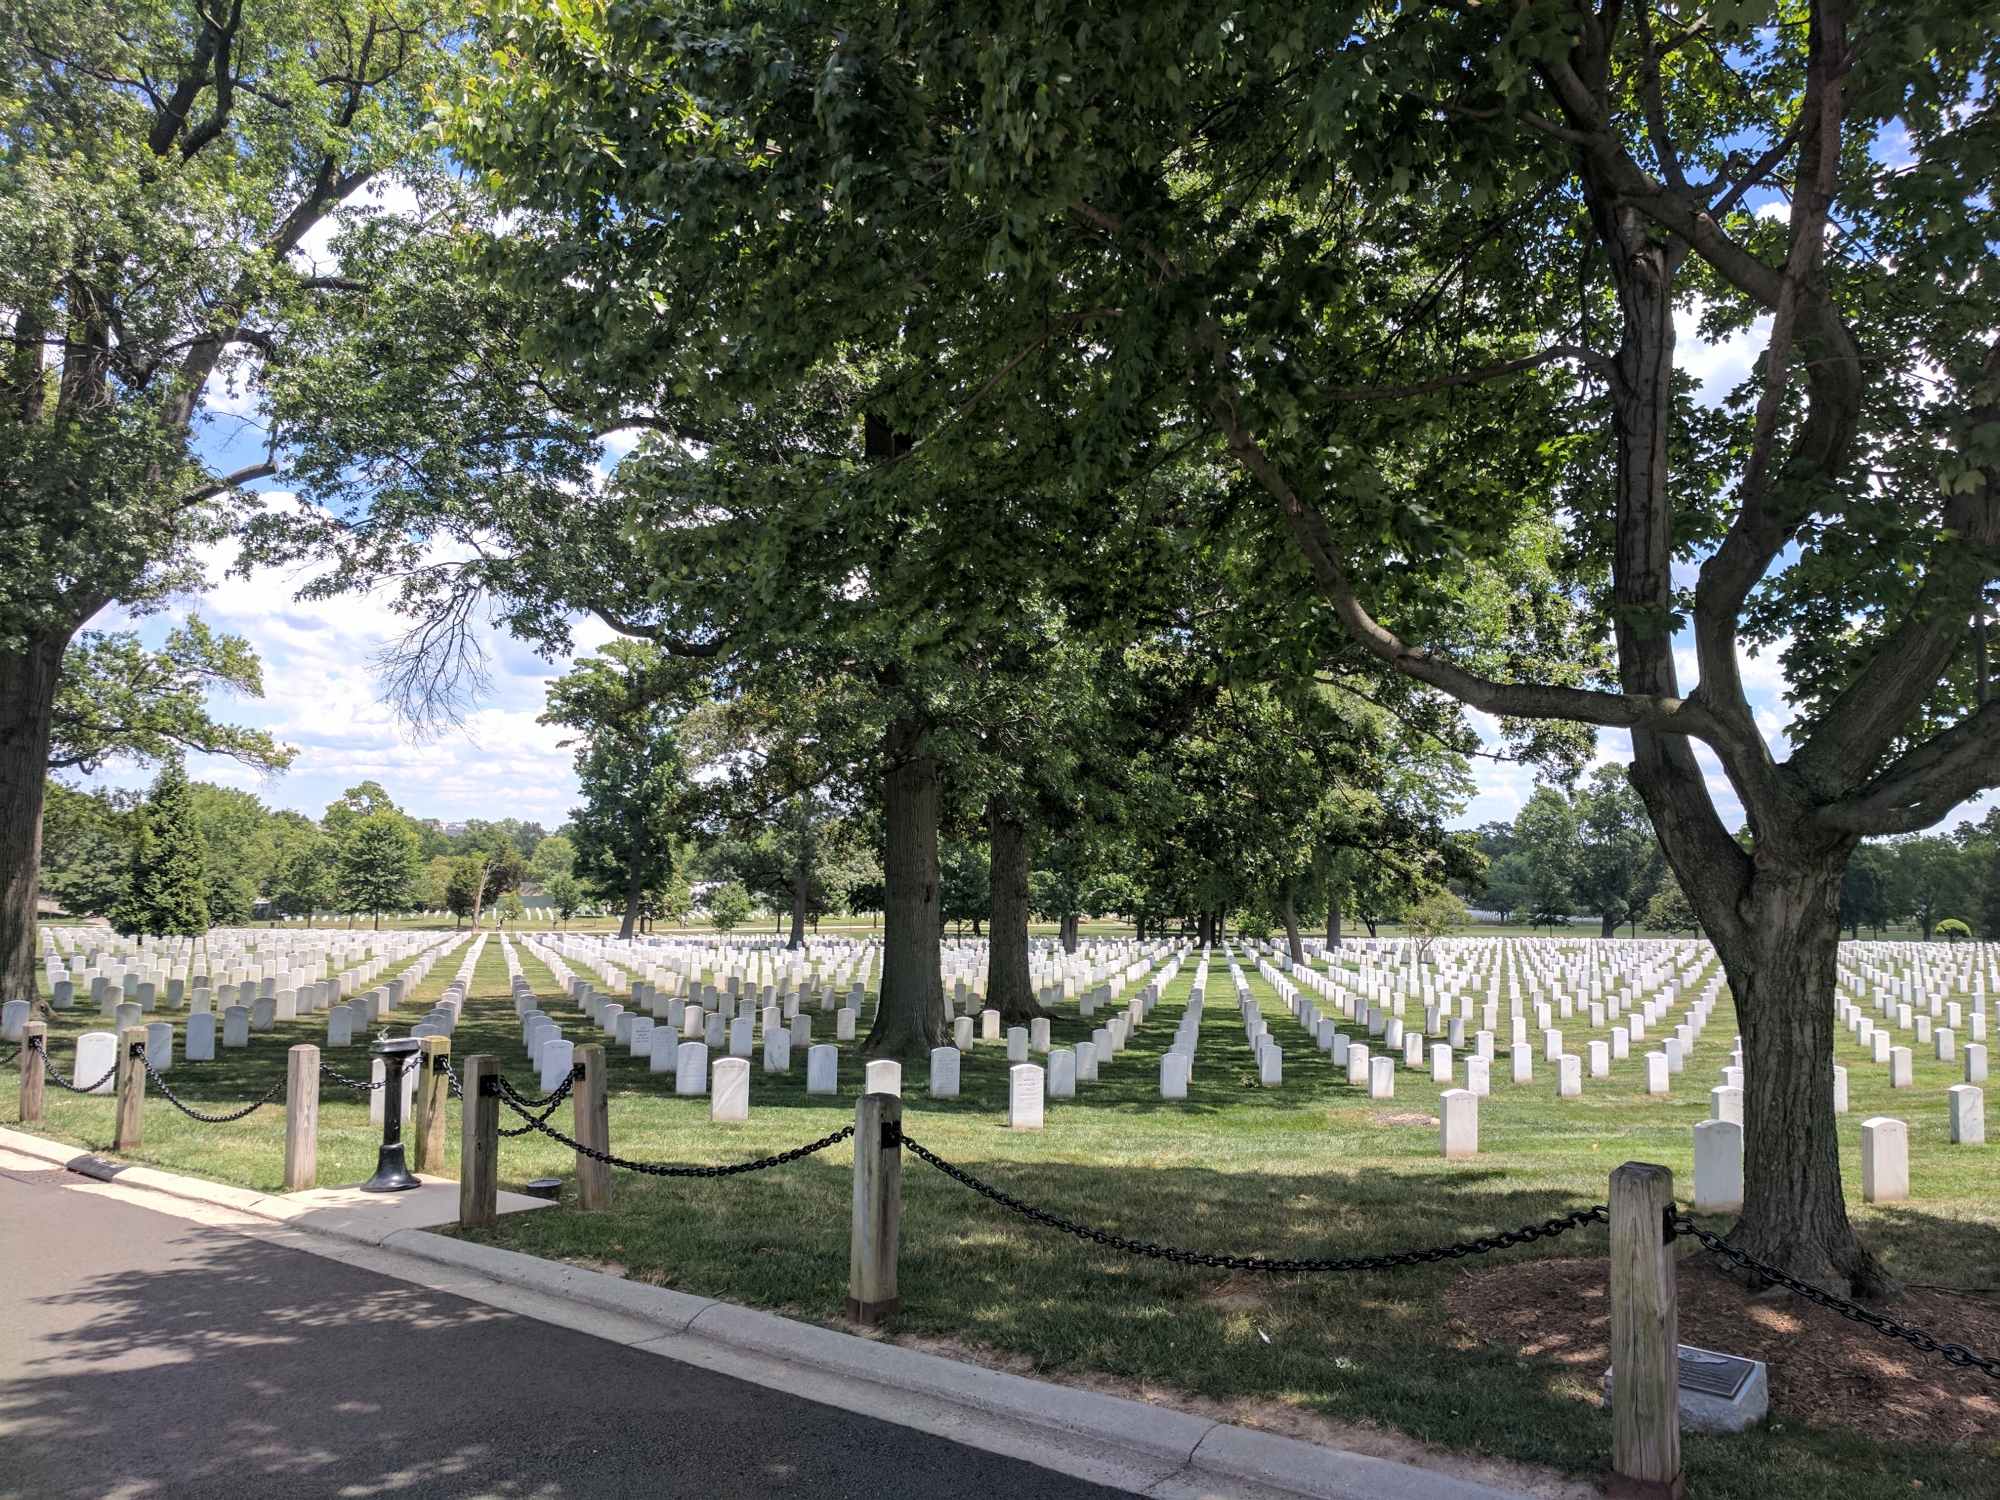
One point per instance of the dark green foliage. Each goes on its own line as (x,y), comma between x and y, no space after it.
(633,774)
(168,889)
(379,862)
(86,848)
(965,891)
(117,700)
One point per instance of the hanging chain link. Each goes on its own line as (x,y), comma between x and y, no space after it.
(1548,1229)
(553,1101)
(1854,1312)
(194,1114)
(354,1083)
(10,1057)
(49,1068)
(521,1107)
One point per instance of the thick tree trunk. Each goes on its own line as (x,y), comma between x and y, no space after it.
(1774,917)
(801,886)
(1292,944)
(1070,925)
(27,702)
(1333,922)
(633,889)
(1007,986)
(909,1021)
(1781,961)
(1607,925)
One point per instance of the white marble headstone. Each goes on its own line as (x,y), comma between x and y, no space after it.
(729,1091)
(691,1069)
(1024,1097)
(823,1069)
(944,1072)
(96,1054)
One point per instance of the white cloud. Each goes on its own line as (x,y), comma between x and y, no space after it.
(1720,366)
(320,696)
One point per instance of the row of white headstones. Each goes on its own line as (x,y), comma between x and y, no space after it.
(203,1028)
(1718,1141)
(668,1039)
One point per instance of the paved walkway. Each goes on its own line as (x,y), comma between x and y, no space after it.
(145,1356)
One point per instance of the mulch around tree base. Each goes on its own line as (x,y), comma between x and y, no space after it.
(1824,1369)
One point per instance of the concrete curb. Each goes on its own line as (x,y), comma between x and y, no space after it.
(1164,1452)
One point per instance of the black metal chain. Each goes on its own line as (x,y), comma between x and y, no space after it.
(1548,1229)
(194,1114)
(354,1083)
(10,1057)
(554,1101)
(521,1101)
(655,1169)
(1953,1354)
(49,1068)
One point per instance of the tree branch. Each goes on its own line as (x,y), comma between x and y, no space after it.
(230,482)
(1507,699)
(1926,782)
(673,647)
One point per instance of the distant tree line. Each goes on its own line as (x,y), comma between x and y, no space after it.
(1588,852)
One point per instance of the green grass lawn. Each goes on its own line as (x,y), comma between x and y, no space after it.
(1305,1170)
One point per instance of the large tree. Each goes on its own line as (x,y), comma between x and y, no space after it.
(638,801)
(165,167)
(1359,251)
(166,892)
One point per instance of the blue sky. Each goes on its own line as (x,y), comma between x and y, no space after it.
(320,696)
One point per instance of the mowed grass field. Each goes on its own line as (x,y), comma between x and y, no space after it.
(1311,1169)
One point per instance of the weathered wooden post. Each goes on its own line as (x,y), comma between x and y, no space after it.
(432,1102)
(593,1128)
(34,1042)
(130,1133)
(1645,1337)
(479,1142)
(878,1208)
(301,1118)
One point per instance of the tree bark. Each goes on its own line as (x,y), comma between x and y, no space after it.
(1333,922)
(801,883)
(1070,926)
(27,703)
(909,1020)
(1774,918)
(633,889)
(1008,989)
(1292,944)
(1607,925)
(1781,962)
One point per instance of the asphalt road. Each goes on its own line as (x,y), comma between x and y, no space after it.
(142,1356)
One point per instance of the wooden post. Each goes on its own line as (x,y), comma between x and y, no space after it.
(433,1103)
(33,1076)
(301,1118)
(479,1143)
(130,1134)
(1645,1338)
(592,1128)
(878,1208)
